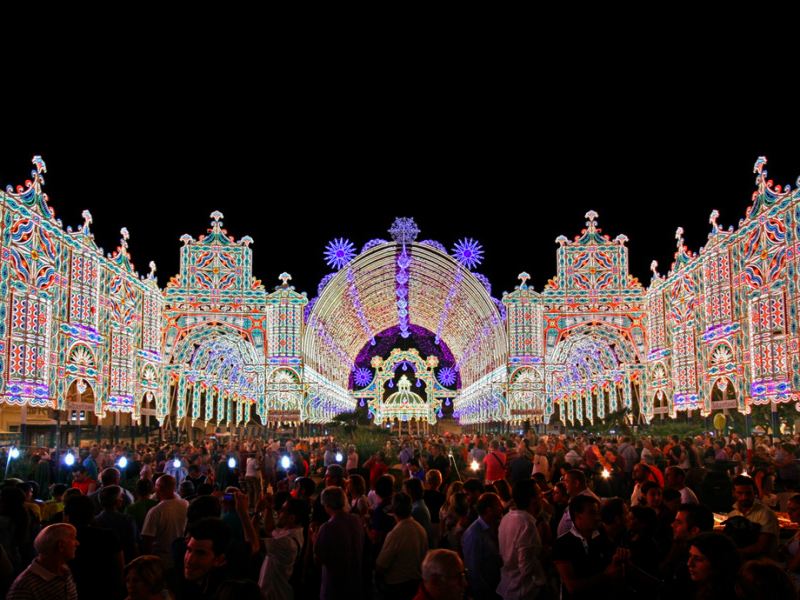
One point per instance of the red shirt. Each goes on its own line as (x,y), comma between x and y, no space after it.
(495,463)
(376,469)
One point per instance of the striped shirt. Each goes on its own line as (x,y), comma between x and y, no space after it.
(37,583)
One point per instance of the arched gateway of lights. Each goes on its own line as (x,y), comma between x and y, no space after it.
(403,328)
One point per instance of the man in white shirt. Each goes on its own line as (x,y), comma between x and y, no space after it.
(522,574)
(575,480)
(282,546)
(674,477)
(165,522)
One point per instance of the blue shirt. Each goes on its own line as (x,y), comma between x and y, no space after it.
(482,558)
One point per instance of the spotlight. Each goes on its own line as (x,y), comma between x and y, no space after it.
(338,457)
(123,462)
(285,462)
(232,463)
(606,474)
(475,466)
(176,463)
(69,459)
(14,452)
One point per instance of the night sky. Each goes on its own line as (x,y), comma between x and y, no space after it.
(509,177)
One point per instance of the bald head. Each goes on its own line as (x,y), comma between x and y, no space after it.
(165,487)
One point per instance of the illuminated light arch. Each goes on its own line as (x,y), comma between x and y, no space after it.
(473,327)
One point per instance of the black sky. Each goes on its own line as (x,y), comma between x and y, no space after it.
(512,164)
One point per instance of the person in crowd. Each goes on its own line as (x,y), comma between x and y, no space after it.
(459,507)
(438,460)
(405,547)
(334,476)
(98,562)
(338,548)
(110,476)
(675,477)
(352,460)
(645,552)
(377,468)
(588,564)
(494,464)
(690,521)
(139,509)
(480,544)
(48,577)
(415,489)
(522,575)
(474,489)
(443,577)
(744,489)
(144,579)
(164,522)
(382,517)
(205,565)
(790,551)
(124,525)
(714,562)
(82,481)
(614,520)
(434,499)
(575,482)
(764,579)
(355,488)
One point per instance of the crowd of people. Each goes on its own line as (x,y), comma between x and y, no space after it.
(452,517)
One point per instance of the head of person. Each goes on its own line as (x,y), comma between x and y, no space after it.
(473,488)
(527,496)
(794,508)
(764,579)
(443,575)
(433,479)
(585,512)
(79,510)
(414,488)
(714,560)
(203,507)
(333,499)
(575,480)
(208,543)
(653,493)
(502,489)
(79,473)
(459,505)
(186,488)
(674,477)
(384,486)
(691,520)
(334,475)
(58,540)
(355,486)
(165,487)
(109,476)
(490,508)
(642,520)
(614,514)
(292,513)
(144,489)
(560,494)
(641,473)
(194,471)
(744,490)
(304,487)
(58,490)
(402,505)
(110,497)
(144,577)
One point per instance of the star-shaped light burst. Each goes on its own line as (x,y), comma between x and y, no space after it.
(362,376)
(446,376)
(468,252)
(339,252)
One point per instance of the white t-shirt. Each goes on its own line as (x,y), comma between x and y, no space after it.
(252,467)
(282,551)
(164,523)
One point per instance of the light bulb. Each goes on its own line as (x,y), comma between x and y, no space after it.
(69,460)
(232,463)
(338,457)
(176,463)
(474,465)
(14,453)
(123,462)
(285,462)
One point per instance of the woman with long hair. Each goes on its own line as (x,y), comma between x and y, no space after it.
(714,562)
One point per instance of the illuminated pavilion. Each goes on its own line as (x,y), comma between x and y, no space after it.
(403,328)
